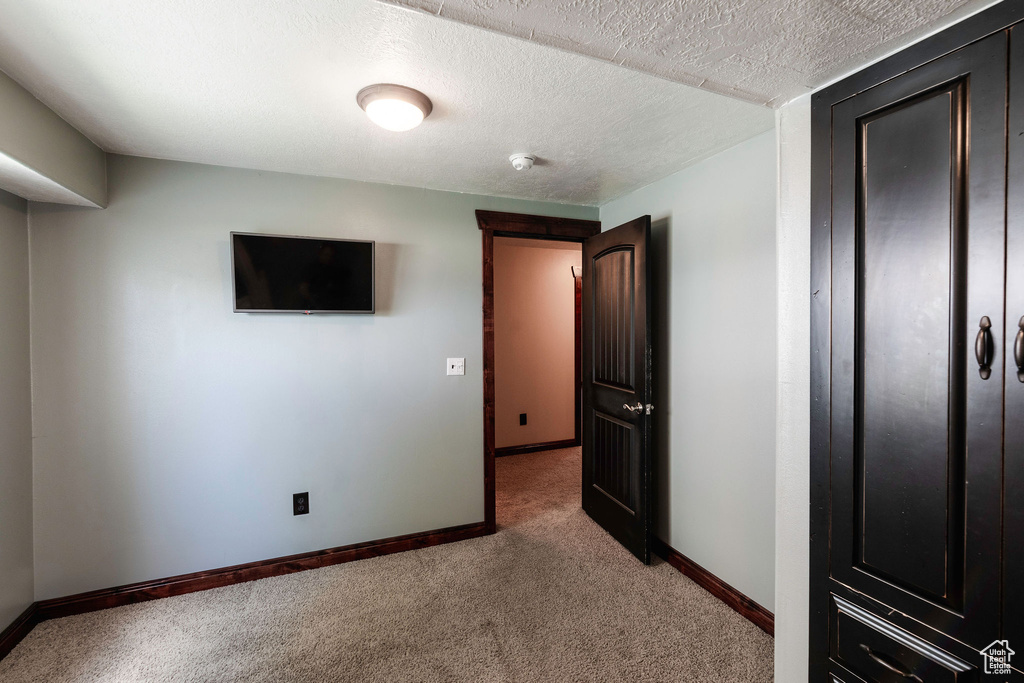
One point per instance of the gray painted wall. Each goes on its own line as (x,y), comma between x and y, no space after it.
(792,440)
(16,587)
(172,432)
(48,160)
(715,361)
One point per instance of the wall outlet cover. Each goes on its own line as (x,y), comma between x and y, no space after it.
(456,366)
(522,419)
(300,503)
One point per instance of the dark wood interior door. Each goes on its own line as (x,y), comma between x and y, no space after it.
(916,426)
(617,384)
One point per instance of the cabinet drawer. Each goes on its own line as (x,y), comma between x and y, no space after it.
(884,653)
(844,678)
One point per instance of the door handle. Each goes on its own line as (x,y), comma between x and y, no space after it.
(1018,351)
(633,409)
(891,664)
(984,349)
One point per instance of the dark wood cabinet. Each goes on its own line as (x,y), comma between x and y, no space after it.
(1013,342)
(918,410)
(913,265)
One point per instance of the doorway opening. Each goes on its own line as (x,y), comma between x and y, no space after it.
(538,286)
(532,244)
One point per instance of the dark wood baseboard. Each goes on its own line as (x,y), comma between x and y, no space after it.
(749,609)
(535,447)
(13,634)
(225,576)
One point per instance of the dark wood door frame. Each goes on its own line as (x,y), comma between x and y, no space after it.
(497,224)
(579,355)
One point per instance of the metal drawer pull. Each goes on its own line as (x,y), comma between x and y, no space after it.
(984,349)
(1018,351)
(890,664)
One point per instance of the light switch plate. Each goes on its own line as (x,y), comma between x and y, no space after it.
(456,366)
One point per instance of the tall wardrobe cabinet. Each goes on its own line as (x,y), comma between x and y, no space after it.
(917,424)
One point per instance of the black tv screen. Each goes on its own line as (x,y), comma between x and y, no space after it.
(274,273)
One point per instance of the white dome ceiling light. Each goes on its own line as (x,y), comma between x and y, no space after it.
(522,161)
(394,107)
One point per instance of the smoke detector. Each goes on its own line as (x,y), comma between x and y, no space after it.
(522,162)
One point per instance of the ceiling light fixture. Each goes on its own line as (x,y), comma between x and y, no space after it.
(394,107)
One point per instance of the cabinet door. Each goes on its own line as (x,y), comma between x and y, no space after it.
(1013,515)
(918,235)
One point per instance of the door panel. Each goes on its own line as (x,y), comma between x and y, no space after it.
(614,475)
(614,309)
(1013,515)
(919,141)
(915,267)
(617,374)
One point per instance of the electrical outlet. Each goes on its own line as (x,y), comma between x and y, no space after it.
(456,366)
(522,419)
(300,503)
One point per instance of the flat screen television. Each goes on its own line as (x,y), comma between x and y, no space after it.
(286,274)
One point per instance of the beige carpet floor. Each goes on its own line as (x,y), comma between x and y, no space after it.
(550,597)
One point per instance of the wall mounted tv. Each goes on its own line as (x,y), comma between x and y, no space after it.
(286,274)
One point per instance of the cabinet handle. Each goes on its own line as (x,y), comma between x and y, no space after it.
(891,664)
(1018,351)
(984,349)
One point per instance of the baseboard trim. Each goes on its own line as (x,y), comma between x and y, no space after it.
(225,576)
(19,628)
(746,607)
(535,447)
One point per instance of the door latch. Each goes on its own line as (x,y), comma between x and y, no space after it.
(639,408)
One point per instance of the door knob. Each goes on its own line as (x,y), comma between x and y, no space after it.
(633,409)
(1018,351)
(984,348)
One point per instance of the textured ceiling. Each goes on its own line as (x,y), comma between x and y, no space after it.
(271,85)
(762,51)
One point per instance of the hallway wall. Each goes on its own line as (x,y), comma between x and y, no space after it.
(534,340)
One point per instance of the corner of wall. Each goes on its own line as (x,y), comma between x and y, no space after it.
(792,434)
(46,157)
(32,391)
(17,564)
